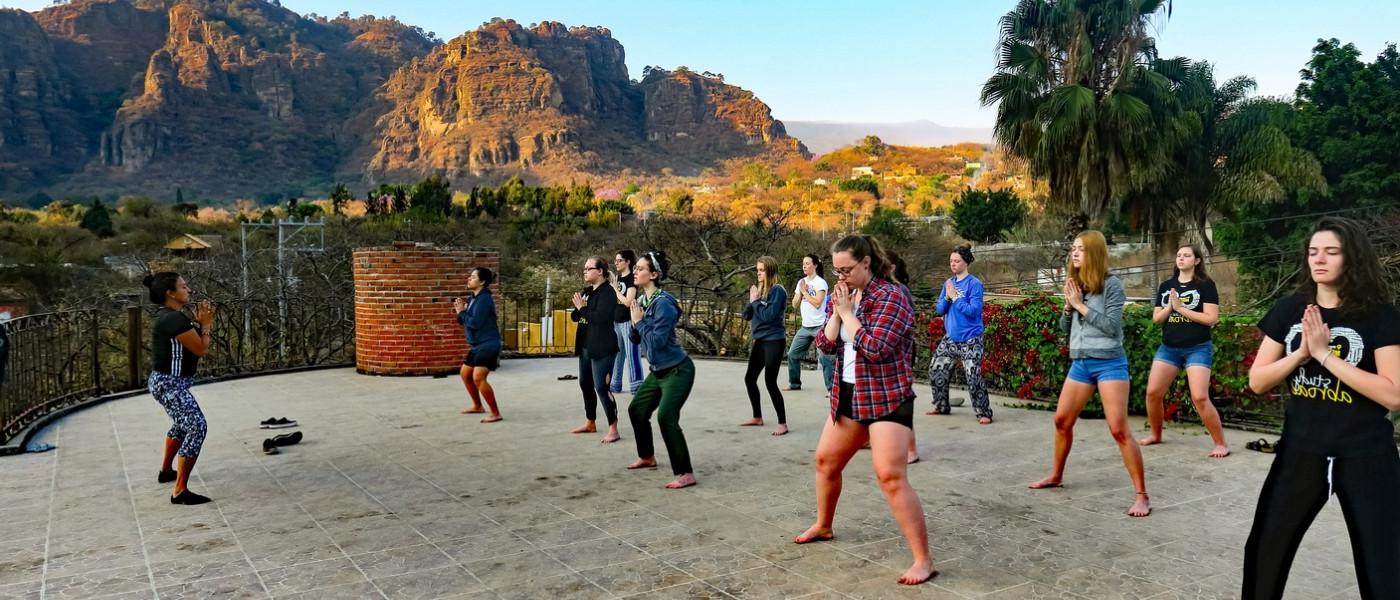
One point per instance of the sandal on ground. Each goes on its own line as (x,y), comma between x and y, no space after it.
(1260,445)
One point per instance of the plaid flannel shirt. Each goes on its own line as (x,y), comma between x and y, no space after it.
(884,346)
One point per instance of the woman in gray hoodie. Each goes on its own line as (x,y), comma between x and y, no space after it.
(1093,318)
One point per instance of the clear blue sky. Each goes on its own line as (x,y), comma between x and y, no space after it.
(887,60)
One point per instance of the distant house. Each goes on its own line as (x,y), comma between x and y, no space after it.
(974,165)
(609,194)
(819,181)
(194,247)
(862,171)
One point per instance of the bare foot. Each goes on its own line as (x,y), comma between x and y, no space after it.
(643,463)
(473,410)
(1142,507)
(1049,482)
(781,430)
(752,423)
(1150,440)
(587,427)
(911,459)
(492,419)
(814,534)
(985,421)
(611,437)
(935,412)
(684,481)
(918,573)
(792,389)
(1220,452)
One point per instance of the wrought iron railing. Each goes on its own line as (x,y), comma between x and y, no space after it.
(51,362)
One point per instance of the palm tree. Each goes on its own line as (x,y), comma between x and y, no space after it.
(1236,153)
(1081,95)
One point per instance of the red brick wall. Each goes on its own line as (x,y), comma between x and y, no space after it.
(404,322)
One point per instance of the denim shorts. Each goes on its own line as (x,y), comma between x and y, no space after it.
(1092,371)
(1200,355)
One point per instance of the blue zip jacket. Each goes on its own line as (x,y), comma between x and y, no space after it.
(766,315)
(656,332)
(962,318)
(479,323)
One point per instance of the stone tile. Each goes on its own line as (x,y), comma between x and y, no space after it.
(1095,582)
(632,520)
(241,587)
(667,540)
(21,560)
(687,591)
(101,554)
(637,576)
(338,592)
(29,590)
(401,560)
(174,548)
(713,561)
(1034,591)
(513,569)
(311,576)
(95,583)
(766,583)
(562,586)
(444,582)
(597,553)
(560,534)
(480,547)
(196,566)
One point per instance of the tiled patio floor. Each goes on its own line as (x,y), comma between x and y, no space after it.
(395,494)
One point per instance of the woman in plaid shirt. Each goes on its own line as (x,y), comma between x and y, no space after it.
(870,329)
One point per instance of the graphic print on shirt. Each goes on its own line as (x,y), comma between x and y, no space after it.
(1346,344)
(1190,300)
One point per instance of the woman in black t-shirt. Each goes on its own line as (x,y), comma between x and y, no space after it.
(1336,346)
(177,344)
(1186,306)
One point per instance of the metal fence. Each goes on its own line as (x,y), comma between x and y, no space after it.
(52,360)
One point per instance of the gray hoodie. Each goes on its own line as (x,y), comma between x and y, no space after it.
(1098,334)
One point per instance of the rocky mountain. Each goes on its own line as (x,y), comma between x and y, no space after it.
(244,97)
(825,136)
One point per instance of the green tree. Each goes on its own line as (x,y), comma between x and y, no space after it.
(983,216)
(98,220)
(682,203)
(340,196)
(887,224)
(138,206)
(304,210)
(757,174)
(864,183)
(431,196)
(1081,95)
(872,145)
(580,200)
(185,209)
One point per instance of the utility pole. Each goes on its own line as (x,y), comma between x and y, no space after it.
(287,231)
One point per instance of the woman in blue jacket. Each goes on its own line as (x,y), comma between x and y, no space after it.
(960,303)
(654,317)
(477,315)
(767,302)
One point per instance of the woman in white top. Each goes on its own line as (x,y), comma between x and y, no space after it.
(810,296)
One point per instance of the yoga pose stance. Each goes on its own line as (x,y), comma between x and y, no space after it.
(596,345)
(810,297)
(764,312)
(1186,306)
(869,329)
(1094,320)
(628,363)
(960,303)
(478,318)
(1335,345)
(667,387)
(177,344)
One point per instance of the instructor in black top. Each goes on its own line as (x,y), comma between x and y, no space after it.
(177,344)
(1335,345)
(596,346)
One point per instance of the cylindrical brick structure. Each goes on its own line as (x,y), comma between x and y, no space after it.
(404,323)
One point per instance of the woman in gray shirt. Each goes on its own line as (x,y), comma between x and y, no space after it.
(1094,320)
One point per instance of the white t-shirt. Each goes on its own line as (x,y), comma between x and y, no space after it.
(848,360)
(813,316)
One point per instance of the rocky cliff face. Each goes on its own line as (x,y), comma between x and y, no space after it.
(240,97)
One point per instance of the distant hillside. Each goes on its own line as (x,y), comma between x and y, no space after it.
(824,136)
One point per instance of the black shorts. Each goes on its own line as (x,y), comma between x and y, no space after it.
(902,414)
(491,359)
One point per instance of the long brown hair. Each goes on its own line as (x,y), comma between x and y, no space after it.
(1197,274)
(861,246)
(1361,286)
(1094,271)
(770,272)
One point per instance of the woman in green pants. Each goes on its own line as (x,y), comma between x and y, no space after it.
(654,317)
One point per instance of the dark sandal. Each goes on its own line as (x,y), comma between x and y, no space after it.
(1260,445)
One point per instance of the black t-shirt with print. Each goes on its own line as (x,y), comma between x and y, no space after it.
(168,355)
(621,313)
(1324,415)
(1179,331)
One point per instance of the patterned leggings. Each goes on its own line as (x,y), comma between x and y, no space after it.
(187,420)
(969,353)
